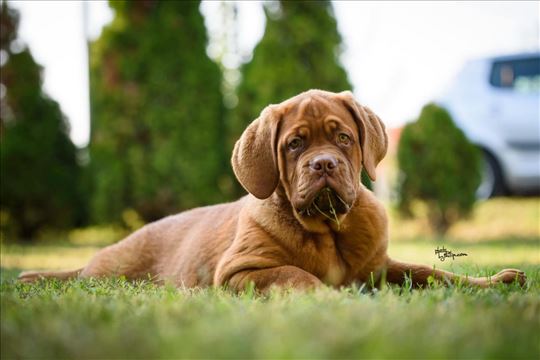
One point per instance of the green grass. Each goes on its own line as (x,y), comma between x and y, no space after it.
(114,318)
(117,319)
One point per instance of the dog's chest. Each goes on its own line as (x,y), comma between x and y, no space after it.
(335,274)
(330,266)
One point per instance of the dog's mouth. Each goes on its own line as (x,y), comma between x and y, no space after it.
(326,202)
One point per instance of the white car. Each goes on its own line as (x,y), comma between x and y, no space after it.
(496,102)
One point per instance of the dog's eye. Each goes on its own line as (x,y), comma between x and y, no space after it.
(344,139)
(295,143)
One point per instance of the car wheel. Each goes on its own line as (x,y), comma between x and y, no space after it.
(492,183)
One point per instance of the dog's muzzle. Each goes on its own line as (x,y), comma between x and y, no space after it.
(326,202)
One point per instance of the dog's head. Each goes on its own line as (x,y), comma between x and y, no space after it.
(314,145)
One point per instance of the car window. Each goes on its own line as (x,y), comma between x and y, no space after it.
(521,75)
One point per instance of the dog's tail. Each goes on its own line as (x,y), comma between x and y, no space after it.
(32,276)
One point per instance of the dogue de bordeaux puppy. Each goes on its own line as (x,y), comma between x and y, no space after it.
(306,221)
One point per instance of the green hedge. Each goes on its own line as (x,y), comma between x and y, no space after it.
(439,167)
(157,143)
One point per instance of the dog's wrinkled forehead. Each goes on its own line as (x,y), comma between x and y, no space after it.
(309,106)
(312,107)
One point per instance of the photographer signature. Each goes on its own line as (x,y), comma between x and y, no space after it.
(443,254)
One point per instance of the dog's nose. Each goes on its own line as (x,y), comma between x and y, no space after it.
(323,164)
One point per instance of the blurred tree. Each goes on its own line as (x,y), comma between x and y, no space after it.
(157,142)
(39,170)
(439,167)
(299,51)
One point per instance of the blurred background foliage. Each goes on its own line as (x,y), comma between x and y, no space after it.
(161,135)
(41,178)
(157,115)
(434,148)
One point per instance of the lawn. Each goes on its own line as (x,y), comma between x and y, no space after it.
(117,319)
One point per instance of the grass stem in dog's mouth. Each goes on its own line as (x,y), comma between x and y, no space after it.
(325,203)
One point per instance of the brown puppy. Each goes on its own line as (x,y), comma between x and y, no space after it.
(308,220)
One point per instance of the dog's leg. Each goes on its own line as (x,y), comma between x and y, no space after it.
(132,257)
(396,273)
(109,261)
(31,276)
(281,276)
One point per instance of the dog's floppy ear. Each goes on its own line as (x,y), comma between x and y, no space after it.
(373,138)
(254,156)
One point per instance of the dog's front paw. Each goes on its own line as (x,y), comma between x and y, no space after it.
(508,276)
